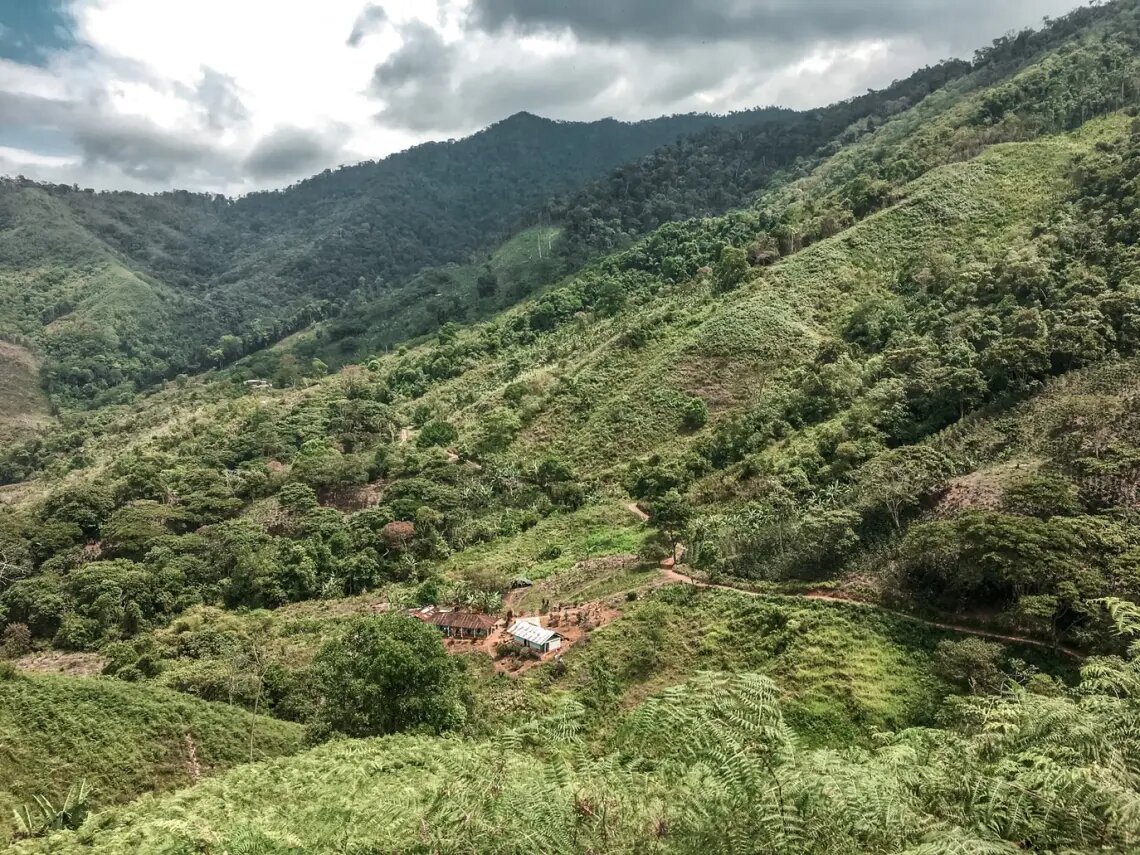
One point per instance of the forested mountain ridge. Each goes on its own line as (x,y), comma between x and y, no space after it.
(116,291)
(905,377)
(975,284)
(120,290)
(703,174)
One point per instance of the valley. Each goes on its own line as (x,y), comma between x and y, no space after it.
(804,444)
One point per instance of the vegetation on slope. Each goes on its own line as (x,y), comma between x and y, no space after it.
(971,286)
(120,290)
(906,374)
(709,766)
(23,405)
(123,739)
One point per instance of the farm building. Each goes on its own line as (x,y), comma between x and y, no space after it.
(462,624)
(527,634)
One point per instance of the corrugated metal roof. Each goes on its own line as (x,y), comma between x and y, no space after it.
(462,620)
(531,632)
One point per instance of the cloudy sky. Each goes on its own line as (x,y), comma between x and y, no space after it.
(234,95)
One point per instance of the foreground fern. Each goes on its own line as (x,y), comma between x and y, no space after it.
(710,766)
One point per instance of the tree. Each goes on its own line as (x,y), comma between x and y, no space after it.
(133,528)
(232,347)
(437,432)
(694,414)
(731,270)
(898,479)
(971,663)
(671,515)
(487,285)
(496,431)
(297,499)
(387,674)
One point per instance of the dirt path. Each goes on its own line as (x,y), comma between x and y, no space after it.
(405,435)
(670,574)
(633,508)
(675,577)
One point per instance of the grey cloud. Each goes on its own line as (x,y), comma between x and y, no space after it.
(963,23)
(134,146)
(22,109)
(289,152)
(423,57)
(142,150)
(371,19)
(221,103)
(425,86)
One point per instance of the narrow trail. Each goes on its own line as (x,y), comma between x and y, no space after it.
(405,435)
(679,578)
(671,575)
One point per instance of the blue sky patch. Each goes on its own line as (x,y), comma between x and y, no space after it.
(31,30)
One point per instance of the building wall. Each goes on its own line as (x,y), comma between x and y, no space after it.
(553,644)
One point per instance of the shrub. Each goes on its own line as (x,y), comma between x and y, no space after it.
(387,674)
(695,414)
(971,664)
(437,433)
(16,641)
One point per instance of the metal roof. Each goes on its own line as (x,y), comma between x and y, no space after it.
(462,620)
(532,632)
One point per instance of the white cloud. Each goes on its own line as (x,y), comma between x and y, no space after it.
(233,95)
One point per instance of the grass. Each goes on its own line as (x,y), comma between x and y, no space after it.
(124,739)
(723,347)
(589,582)
(846,672)
(594,531)
(23,405)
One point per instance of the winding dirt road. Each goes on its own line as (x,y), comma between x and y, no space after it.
(679,578)
(669,573)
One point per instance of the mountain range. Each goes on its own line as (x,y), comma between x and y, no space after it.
(812,436)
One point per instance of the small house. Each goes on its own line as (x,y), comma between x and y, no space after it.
(529,634)
(462,624)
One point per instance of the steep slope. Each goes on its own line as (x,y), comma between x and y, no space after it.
(455,293)
(23,405)
(708,766)
(122,739)
(121,290)
(773,364)
(906,377)
(870,143)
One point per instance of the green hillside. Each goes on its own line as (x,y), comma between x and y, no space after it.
(709,764)
(120,290)
(784,368)
(122,739)
(23,405)
(433,297)
(829,488)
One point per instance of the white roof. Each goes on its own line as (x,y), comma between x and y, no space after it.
(532,632)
